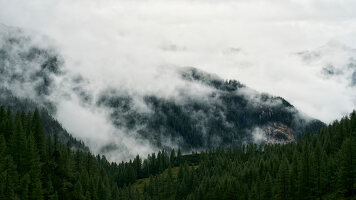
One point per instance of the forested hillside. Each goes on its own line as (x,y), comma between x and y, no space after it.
(35,165)
(196,111)
(50,124)
(230,114)
(318,166)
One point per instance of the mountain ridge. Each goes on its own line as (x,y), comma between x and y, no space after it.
(200,112)
(231,107)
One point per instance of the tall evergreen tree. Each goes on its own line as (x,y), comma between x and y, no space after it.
(347,168)
(282,183)
(267,192)
(38,133)
(9,179)
(33,159)
(78,191)
(2,152)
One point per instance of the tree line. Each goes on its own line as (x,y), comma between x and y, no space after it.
(35,165)
(319,165)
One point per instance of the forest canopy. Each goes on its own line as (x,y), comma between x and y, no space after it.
(36,165)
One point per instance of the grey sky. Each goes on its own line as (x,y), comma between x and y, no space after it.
(128,44)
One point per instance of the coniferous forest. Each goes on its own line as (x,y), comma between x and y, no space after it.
(178,100)
(35,165)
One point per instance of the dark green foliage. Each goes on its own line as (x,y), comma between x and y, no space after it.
(347,167)
(282,182)
(38,133)
(317,166)
(224,117)
(267,190)
(26,108)
(35,165)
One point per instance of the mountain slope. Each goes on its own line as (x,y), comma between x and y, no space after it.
(317,166)
(51,126)
(230,114)
(197,111)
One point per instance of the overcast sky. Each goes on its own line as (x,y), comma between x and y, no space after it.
(127,43)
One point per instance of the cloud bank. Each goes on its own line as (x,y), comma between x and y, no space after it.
(132,46)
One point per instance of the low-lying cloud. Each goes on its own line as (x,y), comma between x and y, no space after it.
(272,46)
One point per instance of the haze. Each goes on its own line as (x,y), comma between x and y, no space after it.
(263,44)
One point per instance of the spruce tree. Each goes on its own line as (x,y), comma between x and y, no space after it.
(2,152)
(282,183)
(33,159)
(304,174)
(9,125)
(267,188)
(24,187)
(38,133)
(169,186)
(347,169)
(172,157)
(179,157)
(293,177)
(9,179)
(78,191)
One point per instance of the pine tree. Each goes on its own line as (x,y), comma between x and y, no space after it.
(304,175)
(115,192)
(9,125)
(38,133)
(169,186)
(9,179)
(102,191)
(172,157)
(17,147)
(179,157)
(78,191)
(347,169)
(24,187)
(145,169)
(323,176)
(282,184)
(137,163)
(2,114)
(293,177)
(2,152)
(267,192)
(77,161)
(317,170)
(34,165)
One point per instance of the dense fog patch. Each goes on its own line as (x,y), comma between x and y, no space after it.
(127,61)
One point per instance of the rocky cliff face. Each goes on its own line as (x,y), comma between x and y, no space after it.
(279,133)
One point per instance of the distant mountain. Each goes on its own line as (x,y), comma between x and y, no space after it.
(27,76)
(217,113)
(231,114)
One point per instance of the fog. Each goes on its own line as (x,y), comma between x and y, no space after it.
(282,47)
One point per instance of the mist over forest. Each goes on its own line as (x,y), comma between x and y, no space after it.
(177,100)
